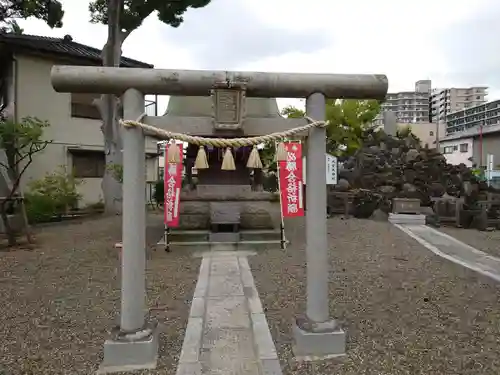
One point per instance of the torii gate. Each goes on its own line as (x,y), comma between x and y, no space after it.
(134,344)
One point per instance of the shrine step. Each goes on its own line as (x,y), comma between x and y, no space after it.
(208,236)
(260,235)
(189,235)
(224,237)
(223,246)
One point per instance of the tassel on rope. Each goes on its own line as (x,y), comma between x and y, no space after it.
(228,161)
(173,153)
(201,161)
(254,159)
(281,152)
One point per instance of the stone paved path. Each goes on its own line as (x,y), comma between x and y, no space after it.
(227,331)
(454,250)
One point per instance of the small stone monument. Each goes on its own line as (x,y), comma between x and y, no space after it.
(390,123)
(406,211)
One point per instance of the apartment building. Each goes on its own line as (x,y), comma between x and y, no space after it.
(445,101)
(409,106)
(485,115)
(472,134)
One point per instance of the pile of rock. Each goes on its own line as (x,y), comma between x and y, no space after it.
(387,167)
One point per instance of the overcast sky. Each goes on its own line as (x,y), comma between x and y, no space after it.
(448,41)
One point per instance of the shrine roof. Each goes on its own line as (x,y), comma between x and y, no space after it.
(202,106)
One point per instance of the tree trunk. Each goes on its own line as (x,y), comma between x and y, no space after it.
(9,231)
(111,187)
(108,106)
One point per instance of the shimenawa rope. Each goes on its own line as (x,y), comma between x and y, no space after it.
(228,161)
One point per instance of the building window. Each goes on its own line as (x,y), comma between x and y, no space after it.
(464,147)
(88,164)
(82,106)
(449,149)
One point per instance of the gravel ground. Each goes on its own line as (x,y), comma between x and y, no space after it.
(59,301)
(489,242)
(405,310)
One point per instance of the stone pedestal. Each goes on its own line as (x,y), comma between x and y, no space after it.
(406,206)
(318,341)
(131,352)
(407,219)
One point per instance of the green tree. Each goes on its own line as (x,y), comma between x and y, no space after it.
(292,112)
(49,11)
(21,141)
(348,119)
(267,153)
(122,18)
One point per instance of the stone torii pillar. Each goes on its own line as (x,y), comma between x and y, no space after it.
(135,344)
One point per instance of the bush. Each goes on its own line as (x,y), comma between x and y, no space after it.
(40,209)
(52,196)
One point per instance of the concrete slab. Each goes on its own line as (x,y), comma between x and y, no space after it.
(227,312)
(454,250)
(225,285)
(227,331)
(407,219)
(226,342)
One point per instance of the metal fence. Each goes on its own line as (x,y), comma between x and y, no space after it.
(493,178)
(151,106)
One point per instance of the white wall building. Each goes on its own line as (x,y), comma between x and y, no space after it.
(75,125)
(457,151)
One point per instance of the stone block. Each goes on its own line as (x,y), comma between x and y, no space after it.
(225,213)
(223,191)
(260,215)
(310,346)
(225,285)
(121,356)
(194,207)
(260,235)
(406,206)
(227,312)
(227,342)
(407,219)
(224,237)
(194,221)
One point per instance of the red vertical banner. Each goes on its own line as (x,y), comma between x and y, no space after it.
(173,185)
(291,181)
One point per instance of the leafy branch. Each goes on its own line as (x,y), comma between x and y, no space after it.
(20,142)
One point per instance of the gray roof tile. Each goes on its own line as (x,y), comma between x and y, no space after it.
(63,46)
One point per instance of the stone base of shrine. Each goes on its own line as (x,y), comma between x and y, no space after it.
(256,210)
(130,355)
